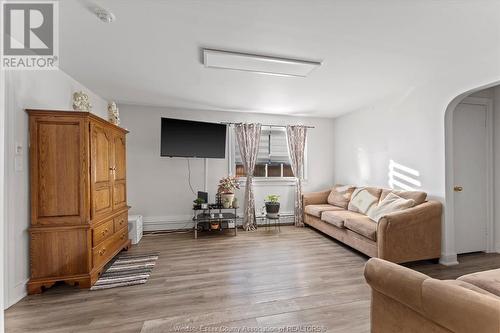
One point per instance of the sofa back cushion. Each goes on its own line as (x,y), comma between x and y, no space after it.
(341,195)
(391,203)
(418,196)
(363,199)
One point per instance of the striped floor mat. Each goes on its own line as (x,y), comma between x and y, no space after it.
(127,270)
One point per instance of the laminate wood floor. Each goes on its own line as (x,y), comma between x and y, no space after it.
(217,283)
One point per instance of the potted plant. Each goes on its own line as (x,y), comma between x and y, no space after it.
(198,203)
(272,205)
(227,186)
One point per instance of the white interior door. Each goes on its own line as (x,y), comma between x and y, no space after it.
(470,176)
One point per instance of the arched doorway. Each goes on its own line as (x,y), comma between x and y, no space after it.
(470,160)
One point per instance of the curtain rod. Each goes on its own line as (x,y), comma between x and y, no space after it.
(268,125)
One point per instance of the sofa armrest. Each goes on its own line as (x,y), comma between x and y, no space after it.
(315,198)
(414,215)
(411,234)
(460,309)
(397,282)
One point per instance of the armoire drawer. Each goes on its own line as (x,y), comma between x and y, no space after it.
(121,221)
(102,252)
(102,232)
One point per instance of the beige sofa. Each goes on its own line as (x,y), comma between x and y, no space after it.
(406,301)
(408,235)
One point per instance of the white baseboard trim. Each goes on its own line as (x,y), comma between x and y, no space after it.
(17,293)
(448,259)
(176,222)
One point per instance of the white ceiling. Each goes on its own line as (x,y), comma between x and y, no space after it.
(370,50)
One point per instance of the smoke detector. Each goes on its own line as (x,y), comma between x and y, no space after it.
(104,15)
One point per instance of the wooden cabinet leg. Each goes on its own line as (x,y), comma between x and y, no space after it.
(38,287)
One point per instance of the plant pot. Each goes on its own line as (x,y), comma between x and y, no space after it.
(227,199)
(272,209)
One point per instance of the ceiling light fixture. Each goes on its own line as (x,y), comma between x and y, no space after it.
(104,15)
(258,63)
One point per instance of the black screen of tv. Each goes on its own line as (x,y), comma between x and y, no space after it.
(185,138)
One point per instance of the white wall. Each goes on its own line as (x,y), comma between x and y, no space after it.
(2,198)
(496,159)
(158,186)
(408,129)
(29,89)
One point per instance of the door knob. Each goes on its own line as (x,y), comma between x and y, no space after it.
(458,189)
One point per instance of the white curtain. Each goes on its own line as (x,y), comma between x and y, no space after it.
(296,138)
(248,136)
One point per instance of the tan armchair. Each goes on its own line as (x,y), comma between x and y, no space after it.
(406,301)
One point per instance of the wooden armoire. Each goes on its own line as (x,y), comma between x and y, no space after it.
(79,211)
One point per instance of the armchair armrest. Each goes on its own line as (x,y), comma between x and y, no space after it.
(315,198)
(397,282)
(411,234)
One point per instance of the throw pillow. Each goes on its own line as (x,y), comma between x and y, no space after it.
(391,203)
(362,200)
(341,195)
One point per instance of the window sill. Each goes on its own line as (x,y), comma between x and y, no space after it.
(271,181)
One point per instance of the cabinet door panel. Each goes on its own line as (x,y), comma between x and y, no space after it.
(101,172)
(120,171)
(59,174)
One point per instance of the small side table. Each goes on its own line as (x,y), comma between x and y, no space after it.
(204,216)
(276,220)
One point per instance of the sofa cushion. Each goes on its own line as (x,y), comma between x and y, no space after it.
(391,203)
(487,280)
(341,195)
(418,196)
(472,287)
(316,210)
(338,217)
(362,225)
(363,199)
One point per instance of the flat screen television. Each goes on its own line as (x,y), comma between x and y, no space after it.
(186,138)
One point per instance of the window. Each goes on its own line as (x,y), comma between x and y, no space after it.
(273,160)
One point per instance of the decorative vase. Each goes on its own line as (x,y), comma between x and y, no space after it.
(81,102)
(272,209)
(235,203)
(227,199)
(113,114)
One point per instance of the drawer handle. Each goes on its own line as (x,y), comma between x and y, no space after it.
(105,231)
(122,237)
(102,251)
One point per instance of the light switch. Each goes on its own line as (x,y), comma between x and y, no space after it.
(18,161)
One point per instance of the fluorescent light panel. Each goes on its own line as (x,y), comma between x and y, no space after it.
(257,63)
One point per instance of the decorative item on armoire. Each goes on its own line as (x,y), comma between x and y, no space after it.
(113,114)
(81,102)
